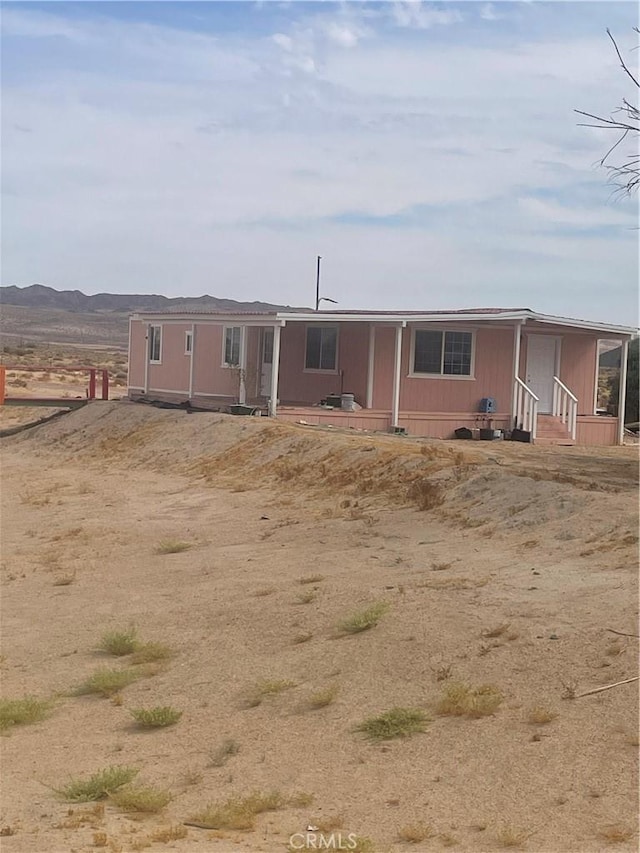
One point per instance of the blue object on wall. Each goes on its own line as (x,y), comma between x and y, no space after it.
(488,405)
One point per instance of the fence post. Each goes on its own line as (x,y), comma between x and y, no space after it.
(105,384)
(3,383)
(92,384)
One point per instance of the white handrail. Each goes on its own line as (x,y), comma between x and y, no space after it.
(526,408)
(565,406)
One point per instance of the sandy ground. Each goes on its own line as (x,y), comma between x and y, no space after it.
(543,541)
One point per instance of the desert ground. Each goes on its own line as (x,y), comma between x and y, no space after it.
(247,553)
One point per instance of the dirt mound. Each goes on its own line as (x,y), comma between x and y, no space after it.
(309,587)
(506,488)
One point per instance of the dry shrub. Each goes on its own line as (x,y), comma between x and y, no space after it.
(365,619)
(398,722)
(539,716)
(426,494)
(511,836)
(144,799)
(415,833)
(322,698)
(461,700)
(615,833)
(169,833)
(239,812)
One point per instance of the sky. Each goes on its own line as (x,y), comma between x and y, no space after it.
(429,152)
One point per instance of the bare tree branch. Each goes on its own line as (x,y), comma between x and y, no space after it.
(626,121)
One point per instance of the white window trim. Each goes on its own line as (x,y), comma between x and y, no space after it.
(320,370)
(455,376)
(188,336)
(225,364)
(159,359)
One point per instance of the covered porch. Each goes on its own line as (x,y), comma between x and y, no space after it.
(426,374)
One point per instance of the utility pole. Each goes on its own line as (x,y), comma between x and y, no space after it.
(318,282)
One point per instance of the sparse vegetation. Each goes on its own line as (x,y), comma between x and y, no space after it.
(267,688)
(102,784)
(511,836)
(426,494)
(239,812)
(300,800)
(324,697)
(172,546)
(219,757)
(398,722)
(461,700)
(153,718)
(120,643)
(20,712)
(539,716)
(165,834)
(365,619)
(140,798)
(415,833)
(306,597)
(107,682)
(151,653)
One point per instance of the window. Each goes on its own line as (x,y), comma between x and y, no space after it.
(232,337)
(442,353)
(155,343)
(188,343)
(321,349)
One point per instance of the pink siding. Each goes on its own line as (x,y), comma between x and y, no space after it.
(492,375)
(172,374)
(299,386)
(596,430)
(137,353)
(209,376)
(384,360)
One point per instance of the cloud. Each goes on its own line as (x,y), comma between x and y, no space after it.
(191,159)
(423,16)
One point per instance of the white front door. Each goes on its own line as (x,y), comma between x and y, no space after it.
(266,362)
(541,368)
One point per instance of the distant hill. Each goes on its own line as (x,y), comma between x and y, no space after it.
(41,314)
(40,296)
(611,358)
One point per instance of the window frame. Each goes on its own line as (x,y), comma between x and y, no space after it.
(188,342)
(412,374)
(328,371)
(154,328)
(225,363)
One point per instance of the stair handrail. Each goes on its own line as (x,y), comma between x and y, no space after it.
(565,406)
(526,408)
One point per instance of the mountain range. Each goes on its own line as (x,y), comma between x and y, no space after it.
(42,314)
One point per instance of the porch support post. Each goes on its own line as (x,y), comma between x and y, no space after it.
(622,391)
(372,350)
(146,358)
(191,357)
(242,390)
(395,406)
(517,338)
(275,370)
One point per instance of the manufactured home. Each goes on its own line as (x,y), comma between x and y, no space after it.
(424,373)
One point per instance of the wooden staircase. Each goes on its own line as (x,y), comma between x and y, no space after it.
(551,430)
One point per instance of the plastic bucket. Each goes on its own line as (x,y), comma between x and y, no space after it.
(347,402)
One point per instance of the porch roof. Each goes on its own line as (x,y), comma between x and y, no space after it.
(475,315)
